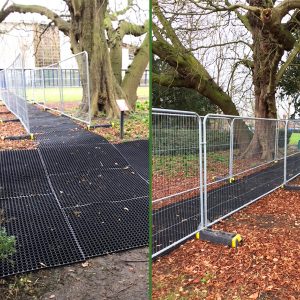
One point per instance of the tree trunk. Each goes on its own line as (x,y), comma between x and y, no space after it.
(116,57)
(87,29)
(88,34)
(135,72)
(267,54)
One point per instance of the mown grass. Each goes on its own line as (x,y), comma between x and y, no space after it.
(70,94)
(294,139)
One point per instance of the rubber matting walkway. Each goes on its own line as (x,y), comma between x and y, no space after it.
(73,198)
(175,221)
(131,150)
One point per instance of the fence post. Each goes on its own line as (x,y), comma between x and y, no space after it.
(276,142)
(202,217)
(60,86)
(205,172)
(285,153)
(231,149)
(88,86)
(32,75)
(43,81)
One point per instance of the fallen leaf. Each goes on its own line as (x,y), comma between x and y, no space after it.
(85,264)
(254,296)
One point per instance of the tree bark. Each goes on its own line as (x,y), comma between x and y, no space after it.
(135,71)
(267,54)
(115,39)
(88,34)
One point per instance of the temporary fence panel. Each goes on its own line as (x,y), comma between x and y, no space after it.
(242,166)
(244,159)
(292,149)
(52,96)
(13,92)
(29,82)
(71,78)
(63,87)
(176,178)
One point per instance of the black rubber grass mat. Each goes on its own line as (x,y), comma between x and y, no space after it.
(70,137)
(75,197)
(177,220)
(25,163)
(21,174)
(173,222)
(78,158)
(113,227)
(42,235)
(98,186)
(137,154)
(19,186)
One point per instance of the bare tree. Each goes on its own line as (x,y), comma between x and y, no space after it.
(264,28)
(88,24)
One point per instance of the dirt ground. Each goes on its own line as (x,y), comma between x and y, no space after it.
(265,267)
(117,276)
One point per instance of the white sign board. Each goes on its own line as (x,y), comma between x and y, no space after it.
(122,105)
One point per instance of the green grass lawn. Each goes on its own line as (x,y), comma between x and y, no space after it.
(52,95)
(294,139)
(143,92)
(70,94)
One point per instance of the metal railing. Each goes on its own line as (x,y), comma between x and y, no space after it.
(205,169)
(51,87)
(70,78)
(13,91)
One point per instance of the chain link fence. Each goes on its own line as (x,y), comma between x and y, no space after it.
(205,169)
(63,87)
(13,91)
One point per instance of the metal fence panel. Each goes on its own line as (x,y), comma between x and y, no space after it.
(242,165)
(176,177)
(63,87)
(13,91)
(244,159)
(293,149)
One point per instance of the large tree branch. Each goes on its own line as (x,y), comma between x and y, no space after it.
(286,6)
(171,80)
(62,25)
(288,62)
(135,71)
(124,28)
(127,28)
(196,76)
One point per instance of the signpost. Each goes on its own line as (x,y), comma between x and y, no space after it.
(123,107)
